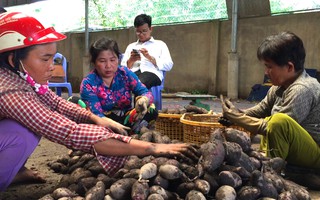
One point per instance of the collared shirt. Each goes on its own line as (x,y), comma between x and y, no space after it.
(54,118)
(301,101)
(157,49)
(118,97)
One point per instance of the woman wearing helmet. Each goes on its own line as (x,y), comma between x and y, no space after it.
(29,110)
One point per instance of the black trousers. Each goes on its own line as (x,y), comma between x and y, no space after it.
(148,79)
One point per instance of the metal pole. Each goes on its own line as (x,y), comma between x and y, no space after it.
(85,58)
(86,27)
(233,58)
(234,26)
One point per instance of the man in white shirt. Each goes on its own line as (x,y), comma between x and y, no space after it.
(147,57)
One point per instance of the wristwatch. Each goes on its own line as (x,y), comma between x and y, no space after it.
(153,60)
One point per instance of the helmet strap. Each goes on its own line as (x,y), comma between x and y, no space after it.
(38,88)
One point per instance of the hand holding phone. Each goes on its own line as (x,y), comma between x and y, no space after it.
(136,51)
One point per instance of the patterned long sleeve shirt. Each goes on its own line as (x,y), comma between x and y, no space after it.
(54,118)
(118,97)
(301,101)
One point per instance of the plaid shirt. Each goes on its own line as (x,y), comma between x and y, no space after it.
(54,118)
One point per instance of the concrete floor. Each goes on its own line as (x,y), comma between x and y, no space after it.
(170,101)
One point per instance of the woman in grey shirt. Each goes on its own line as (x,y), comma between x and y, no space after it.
(288,117)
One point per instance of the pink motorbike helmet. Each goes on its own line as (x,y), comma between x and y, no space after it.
(18,30)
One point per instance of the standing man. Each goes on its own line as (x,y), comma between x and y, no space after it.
(147,57)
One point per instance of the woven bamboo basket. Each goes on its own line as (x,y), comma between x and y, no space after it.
(198,127)
(170,125)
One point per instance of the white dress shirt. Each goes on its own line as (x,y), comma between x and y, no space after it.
(157,49)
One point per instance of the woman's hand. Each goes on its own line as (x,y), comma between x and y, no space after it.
(182,151)
(115,126)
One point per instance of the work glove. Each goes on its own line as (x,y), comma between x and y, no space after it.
(224,121)
(141,107)
(234,115)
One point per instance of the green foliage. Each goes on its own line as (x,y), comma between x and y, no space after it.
(117,14)
(285,6)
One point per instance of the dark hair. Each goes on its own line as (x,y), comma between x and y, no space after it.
(18,54)
(2,10)
(103,44)
(283,48)
(142,19)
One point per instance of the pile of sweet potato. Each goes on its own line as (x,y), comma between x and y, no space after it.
(227,168)
(185,109)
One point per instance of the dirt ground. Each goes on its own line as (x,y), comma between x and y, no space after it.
(45,152)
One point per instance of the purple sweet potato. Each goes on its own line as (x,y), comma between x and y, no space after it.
(202,185)
(192,172)
(148,171)
(140,190)
(63,192)
(276,164)
(159,180)
(147,136)
(301,193)
(121,189)
(248,193)
(240,137)
(243,173)
(233,152)
(194,194)
(133,173)
(97,192)
(155,197)
(267,189)
(256,163)
(230,178)
(195,109)
(183,189)
(212,180)
(275,179)
(159,161)
(156,189)
(133,162)
(226,192)
(172,172)
(246,163)
(287,195)
(158,138)
(213,154)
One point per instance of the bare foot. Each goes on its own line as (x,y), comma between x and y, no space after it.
(28,176)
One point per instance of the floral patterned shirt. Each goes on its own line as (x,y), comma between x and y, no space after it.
(101,98)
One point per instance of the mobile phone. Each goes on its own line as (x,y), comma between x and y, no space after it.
(136,51)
